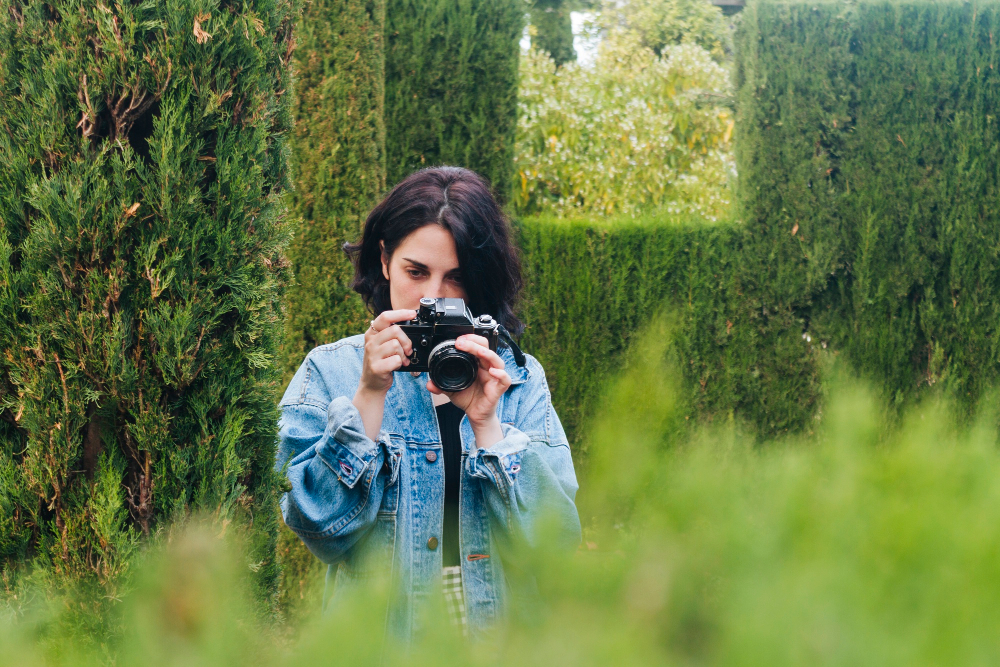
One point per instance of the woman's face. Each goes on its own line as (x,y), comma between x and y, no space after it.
(425,264)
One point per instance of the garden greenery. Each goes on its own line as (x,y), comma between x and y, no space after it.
(659,23)
(637,132)
(703,548)
(143,167)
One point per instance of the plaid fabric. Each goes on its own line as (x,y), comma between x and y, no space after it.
(454,597)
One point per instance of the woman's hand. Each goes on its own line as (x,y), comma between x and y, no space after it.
(479,401)
(386,350)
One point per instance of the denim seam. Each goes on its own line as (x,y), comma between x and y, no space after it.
(504,490)
(305,384)
(333,347)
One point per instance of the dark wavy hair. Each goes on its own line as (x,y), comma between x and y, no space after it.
(460,201)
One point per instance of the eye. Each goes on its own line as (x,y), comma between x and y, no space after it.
(455,279)
(414,273)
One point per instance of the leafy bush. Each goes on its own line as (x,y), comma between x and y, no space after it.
(551,29)
(637,132)
(592,284)
(339,152)
(660,23)
(863,544)
(143,165)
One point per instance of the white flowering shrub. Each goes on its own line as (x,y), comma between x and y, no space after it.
(634,133)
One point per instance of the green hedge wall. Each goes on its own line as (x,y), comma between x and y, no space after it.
(451,86)
(593,284)
(142,170)
(339,156)
(869,160)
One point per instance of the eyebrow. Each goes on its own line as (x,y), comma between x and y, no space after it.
(421,265)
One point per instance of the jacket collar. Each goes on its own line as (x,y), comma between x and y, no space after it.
(518,375)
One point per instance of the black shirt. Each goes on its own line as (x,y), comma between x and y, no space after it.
(449,418)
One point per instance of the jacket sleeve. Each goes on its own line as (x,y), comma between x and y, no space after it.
(337,474)
(527,478)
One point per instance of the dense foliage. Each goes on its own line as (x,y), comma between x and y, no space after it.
(704,548)
(636,133)
(594,284)
(869,161)
(339,153)
(660,23)
(142,167)
(551,29)
(451,86)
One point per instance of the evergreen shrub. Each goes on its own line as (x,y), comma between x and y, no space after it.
(339,155)
(552,29)
(451,86)
(338,150)
(143,161)
(591,285)
(869,160)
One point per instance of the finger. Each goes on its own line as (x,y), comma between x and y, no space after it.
(433,388)
(387,365)
(501,376)
(473,339)
(393,332)
(487,357)
(389,317)
(392,347)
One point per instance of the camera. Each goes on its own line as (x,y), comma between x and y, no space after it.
(433,332)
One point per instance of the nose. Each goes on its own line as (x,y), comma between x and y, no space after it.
(434,287)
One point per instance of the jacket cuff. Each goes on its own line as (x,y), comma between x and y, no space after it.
(348,451)
(502,461)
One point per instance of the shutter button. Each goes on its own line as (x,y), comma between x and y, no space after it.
(431,457)
(432,543)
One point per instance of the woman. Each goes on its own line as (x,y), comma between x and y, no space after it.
(391,476)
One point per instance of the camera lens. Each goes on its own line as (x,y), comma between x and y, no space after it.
(451,369)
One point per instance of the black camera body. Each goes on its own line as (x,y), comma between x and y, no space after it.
(433,332)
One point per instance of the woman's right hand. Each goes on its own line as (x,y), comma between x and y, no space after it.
(387,349)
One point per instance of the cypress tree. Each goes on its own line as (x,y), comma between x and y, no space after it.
(451,86)
(868,152)
(339,156)
(142,164)
(338,147)
(553,29)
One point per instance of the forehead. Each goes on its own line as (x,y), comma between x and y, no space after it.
(431,245)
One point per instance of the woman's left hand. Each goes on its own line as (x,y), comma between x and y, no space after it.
(479,400)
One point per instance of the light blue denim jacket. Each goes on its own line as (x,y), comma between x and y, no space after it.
(366,506)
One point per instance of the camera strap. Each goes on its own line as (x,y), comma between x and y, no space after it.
(508,340)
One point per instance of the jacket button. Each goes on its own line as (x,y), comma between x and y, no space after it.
(432,543)
(431,457)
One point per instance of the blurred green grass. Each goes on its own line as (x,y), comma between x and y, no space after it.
(869,542)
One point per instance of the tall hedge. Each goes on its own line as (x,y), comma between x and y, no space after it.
(592,284)
(338,150)
(869,160)
(339,157)
(143,163)
(451,86)
(553,29)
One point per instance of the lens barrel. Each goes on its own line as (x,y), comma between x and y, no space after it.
(451,369)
